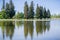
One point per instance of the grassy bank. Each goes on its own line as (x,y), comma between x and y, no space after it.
(29,19)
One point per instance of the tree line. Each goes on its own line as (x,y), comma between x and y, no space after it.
(7,11)
(40,11)
(29,13)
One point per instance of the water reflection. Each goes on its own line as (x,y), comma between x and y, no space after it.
(28,28)
(42,26)
(19,23)
(8,28)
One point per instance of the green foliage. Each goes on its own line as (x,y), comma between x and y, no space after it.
(8,12)
(19,15)
(31,11)
(48,13)
(3,7)
(3,14)
(42,13)
(55,16)
(45,13)
(26,10)
(37,12)
(12,11)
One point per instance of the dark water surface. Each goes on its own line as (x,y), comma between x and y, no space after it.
(30,30)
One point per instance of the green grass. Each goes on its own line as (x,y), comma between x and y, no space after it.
(29,19)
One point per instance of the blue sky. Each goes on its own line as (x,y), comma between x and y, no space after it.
(53,5)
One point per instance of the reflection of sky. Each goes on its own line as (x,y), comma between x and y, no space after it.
(52,34)
(53,5)
(0,34)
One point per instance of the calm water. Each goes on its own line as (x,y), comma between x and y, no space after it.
(30,30)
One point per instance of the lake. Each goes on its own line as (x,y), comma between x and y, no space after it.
(30,30)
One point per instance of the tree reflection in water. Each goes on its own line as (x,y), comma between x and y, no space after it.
(19,23)
(28,28)
(7,28)
(42,26)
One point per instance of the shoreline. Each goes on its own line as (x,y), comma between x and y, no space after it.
(29,19)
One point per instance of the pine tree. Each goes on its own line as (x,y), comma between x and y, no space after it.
(3,7)
(37,12)
(12,11)
(26,10)
(7,11)
(31,10)
(41,12)
(45,13)
(48,13)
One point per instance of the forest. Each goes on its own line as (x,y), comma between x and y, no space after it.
(8,11)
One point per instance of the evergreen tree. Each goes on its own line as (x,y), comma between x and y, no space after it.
(41,12)
(48,13)
(45,13)
(12,11)
(3,7)
(26,10)
(37,12)
(7,11)
(31,10)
